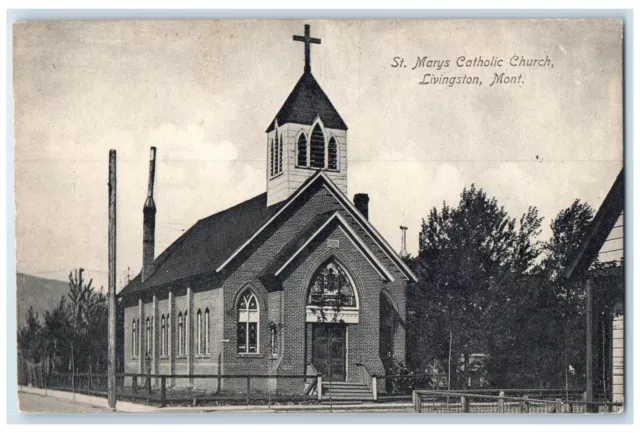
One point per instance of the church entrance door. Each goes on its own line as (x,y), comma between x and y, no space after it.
(330,350)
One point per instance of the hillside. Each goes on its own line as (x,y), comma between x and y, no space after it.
(40,293)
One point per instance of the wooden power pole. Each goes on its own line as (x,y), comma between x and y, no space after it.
(111,386)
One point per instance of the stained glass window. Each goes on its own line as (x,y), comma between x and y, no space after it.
(206,330)
(248,323)
(331,286)
(163,335)
(134,339)
(199,345)
(180,334)
(148,348)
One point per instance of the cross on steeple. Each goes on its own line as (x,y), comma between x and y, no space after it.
(308,40)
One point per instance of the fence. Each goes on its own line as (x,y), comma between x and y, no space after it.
(426,401)
(158,389)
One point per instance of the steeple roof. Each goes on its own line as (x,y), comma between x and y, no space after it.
(306,102)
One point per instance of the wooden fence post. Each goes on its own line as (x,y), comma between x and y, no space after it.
(163,391)
(248,388)
(148,387)
(525,404)
(501,402)
(559,406)
(319,385)
(464,401)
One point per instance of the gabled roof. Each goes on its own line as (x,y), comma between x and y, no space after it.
(320,224)
(601,226)
(305,103)
(213,242)
(207,244)
(320,176)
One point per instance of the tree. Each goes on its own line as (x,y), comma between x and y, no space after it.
(569,229)
(29,337)
(57,335)
(470,259)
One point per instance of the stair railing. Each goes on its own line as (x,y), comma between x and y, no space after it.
(368,379)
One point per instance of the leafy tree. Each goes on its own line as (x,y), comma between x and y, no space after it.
(57,335)
(569,229)
(30,336)
(74,333)
(470,259)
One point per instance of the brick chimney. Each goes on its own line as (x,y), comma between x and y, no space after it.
(361,202)
(149,223)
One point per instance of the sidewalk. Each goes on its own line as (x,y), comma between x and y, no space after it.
(124,406)
(101,402)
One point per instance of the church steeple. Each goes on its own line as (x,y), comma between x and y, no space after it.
(306,135)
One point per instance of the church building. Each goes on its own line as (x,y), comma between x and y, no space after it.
(295,281)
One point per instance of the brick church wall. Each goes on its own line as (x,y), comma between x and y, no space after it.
(285,307)
(363,337)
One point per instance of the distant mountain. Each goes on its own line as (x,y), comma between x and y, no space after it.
(39,293)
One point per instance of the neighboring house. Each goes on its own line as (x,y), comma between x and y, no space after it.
(252,290)
(600,264)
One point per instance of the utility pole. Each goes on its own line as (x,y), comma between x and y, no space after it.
(111,386)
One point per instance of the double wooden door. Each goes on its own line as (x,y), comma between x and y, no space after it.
(330,350)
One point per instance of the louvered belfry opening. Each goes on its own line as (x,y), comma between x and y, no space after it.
(317,148)
(333,154)
(302,150)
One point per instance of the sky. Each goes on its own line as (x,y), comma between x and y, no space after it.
(203,93)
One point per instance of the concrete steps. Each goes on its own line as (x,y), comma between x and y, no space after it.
(346,392)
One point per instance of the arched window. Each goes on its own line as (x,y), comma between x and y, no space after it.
(273,334)
(330,286)
(332,154)
(186,340)
(206,331)
(280,155)
(276,161)
(317,148)
(248,323)
(167,342)
(148,348)
(134,339)
(180,334)
(163,334)
(138,337)
(272,158)
(199,345)
(302,150)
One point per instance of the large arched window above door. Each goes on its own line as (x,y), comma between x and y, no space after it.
(331,286)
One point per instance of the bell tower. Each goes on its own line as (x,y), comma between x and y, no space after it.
(306,135)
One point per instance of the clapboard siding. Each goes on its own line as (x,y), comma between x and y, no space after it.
(613,247)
